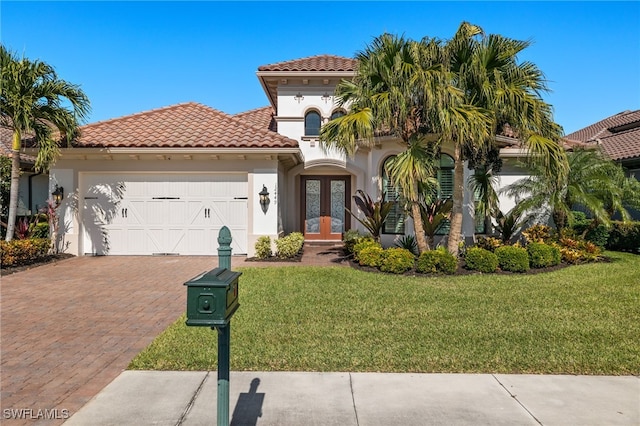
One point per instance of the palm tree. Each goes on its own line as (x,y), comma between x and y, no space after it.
(401,89)
(594,183)
(382,99)
(33,104)
(485,69)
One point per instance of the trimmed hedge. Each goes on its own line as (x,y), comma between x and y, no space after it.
(362,244)
(479,259)
(438,261)
(351,238)
(263,247)
(624,237)
(397,260)
(372,255)
(289,246)
(23,252)
(512,258)
(542,255)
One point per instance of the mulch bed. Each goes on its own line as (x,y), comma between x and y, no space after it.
(52,258)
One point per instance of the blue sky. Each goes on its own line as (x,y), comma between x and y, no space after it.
(135,56)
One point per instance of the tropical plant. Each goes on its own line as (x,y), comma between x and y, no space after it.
(35,103)
(486,70)
(483,183)
(509,224)
(401,89)
(433,216)
(594,183)
(375,212)
(408,242)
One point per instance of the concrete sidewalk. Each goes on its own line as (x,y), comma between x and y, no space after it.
(297,398)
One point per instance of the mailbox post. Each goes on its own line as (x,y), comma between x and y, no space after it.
(212,299)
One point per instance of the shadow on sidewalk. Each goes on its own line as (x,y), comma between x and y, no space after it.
(249,406)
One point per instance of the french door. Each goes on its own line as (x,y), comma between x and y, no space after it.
(324,200)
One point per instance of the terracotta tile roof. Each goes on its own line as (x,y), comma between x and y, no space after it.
(263,118)
(618,135)
(185,125)
(6,138)
(313,63)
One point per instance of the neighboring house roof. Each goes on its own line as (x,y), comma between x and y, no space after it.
(6,139)
(263,118)
(618,135)
(313,63)
(188,125)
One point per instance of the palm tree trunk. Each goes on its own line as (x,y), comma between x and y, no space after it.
(15,186)
(455,231)
(418,227)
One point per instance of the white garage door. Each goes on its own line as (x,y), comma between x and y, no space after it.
(148,214)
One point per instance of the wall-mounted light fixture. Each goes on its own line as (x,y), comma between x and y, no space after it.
(264,199)
(298,97)
(58,195)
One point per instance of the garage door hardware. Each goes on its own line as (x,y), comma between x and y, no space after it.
(90,198)
(207,213)
(240,198)
(124,212)
(166,198)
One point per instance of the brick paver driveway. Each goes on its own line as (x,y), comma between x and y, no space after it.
(68,329)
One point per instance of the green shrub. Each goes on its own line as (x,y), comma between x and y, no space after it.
(371,255)
(598,235)
(289,246)
(23,252)
(350,238)
(542,255)
(512,258)
(41,230)
(363,243)
(624,237)
(437,261)
(482,260)
(397,260)
(263,247)
(489,243)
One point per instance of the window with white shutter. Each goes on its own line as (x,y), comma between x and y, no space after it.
(395,221)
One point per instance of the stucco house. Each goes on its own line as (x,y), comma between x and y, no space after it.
(165,181)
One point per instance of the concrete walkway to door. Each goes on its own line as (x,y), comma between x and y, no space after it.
(68,329)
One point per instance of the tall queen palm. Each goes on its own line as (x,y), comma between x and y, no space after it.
(35,102)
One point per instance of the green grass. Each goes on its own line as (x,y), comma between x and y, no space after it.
(578,320)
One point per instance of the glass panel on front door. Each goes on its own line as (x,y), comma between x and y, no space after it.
(337,206)
(312,220)
(324,201)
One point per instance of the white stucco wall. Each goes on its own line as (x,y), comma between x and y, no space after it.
(68,173)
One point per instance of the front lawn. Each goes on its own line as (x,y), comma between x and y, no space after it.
(578,320)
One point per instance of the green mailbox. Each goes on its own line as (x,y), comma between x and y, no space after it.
(212,298)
